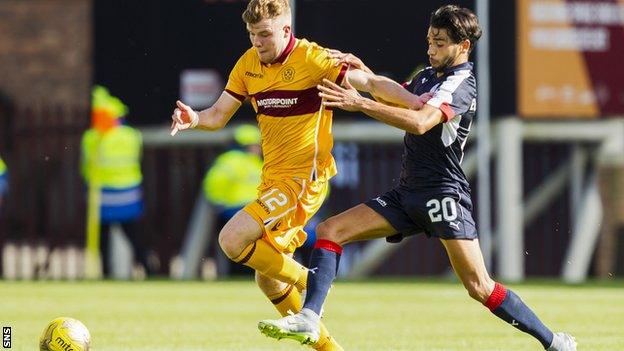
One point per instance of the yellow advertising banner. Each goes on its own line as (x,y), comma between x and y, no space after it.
(569,54)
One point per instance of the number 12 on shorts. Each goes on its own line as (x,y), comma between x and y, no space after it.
(271,200)
(445,209)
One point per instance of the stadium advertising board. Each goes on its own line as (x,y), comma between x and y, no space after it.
(569,57)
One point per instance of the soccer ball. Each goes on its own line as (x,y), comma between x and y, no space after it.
(65,334)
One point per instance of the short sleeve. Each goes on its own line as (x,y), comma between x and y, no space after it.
(324,67)
(410,85)
(236,86)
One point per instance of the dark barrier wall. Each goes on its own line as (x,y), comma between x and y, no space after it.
(141,47)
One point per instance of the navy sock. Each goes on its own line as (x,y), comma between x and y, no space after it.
(506,305)
(322,272)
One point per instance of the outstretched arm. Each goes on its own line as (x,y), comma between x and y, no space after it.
(415,122)
(382,88)
(213,118)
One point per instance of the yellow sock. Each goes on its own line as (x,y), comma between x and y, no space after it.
(265,259)
(289,300)
(286,300)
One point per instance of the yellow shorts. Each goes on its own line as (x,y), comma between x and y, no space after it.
(283,207)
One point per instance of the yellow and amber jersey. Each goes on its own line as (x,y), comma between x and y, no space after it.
(296,129)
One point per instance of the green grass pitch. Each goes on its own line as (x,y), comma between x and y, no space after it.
(377,315)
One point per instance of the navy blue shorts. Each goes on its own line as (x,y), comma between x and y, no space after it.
(442,213)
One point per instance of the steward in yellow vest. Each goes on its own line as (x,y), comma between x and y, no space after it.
(111,152)
(233,179)
(4,181)
(111,158)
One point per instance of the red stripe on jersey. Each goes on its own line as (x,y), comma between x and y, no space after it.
(285,103)
(328,245)
(447,111)
(238,97)
(341,75)
(496,298)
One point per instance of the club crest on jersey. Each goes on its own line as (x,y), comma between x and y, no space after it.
(288,74)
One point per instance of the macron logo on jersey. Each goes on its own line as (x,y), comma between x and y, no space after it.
(277,102)
(254,75)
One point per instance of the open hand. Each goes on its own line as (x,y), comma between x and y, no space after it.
(183,118)
(348,59)
(334,95)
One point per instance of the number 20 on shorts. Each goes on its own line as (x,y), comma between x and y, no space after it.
(445,209)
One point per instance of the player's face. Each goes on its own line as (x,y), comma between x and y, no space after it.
(269,37)
(442,51)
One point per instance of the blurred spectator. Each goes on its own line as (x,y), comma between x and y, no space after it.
(111,160)
(4,181)
(232,181)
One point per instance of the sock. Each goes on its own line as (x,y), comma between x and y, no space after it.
(323,269)
(286,300)
(506,305)
(264,258)
(290,300)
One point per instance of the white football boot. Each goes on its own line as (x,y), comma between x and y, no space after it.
(562,342)
(302,327)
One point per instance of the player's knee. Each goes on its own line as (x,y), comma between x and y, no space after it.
(473,290)
(477,289)
(230,244)
(327,231)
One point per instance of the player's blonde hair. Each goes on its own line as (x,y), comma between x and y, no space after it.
(257,10)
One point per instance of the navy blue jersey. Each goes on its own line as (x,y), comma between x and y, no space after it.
(432,160)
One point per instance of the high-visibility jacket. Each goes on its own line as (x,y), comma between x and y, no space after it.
(4,182)
(233,179)
(114,157)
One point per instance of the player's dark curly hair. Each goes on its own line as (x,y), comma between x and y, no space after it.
(460,23)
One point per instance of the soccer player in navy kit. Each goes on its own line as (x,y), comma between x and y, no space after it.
(433,195)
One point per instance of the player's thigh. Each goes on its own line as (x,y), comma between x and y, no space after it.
(357,223)
(281,210)
(467,261)
(240,231)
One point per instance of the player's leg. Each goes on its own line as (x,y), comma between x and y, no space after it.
(241,240)
(467,261)
(287,301)
(358,223)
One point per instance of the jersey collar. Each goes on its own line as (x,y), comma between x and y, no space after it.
(465,65)
(287,51)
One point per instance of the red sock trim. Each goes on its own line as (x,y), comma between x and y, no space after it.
(496,298)
(328,245)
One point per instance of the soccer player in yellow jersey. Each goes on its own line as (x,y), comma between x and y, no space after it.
(279,75)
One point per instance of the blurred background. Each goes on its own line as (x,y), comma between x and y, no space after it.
(545,159)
